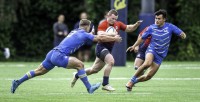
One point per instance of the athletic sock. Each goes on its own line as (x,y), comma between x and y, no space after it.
(76,76)
(134,80)
(82,75)
(27,76)
(105,80)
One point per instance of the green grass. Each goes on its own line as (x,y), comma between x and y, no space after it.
(170,84)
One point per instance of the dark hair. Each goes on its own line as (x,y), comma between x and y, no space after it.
(113,11)
(84,22)
(161,12)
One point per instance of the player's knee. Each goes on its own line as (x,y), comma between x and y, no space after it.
(147,64)
(111,63)
(80,65)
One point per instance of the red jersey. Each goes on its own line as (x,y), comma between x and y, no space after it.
(146,43)
(117,25)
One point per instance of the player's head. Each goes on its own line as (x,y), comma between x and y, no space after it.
(61,18)
(112,16)
(83,15)
(160,17)
(85,24)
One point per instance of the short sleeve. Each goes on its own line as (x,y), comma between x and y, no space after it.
(176,30)
(122,26)
(102,27)
(147,33)
(90,37)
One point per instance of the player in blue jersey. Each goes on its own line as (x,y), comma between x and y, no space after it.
(161,33)
(60,56)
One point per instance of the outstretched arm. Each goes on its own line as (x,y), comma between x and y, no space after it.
(105,38)
(106,33)
(133,27)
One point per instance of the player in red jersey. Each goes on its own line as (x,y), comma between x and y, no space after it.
(140,50)
(103,50)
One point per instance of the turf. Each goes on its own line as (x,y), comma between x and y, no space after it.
(174,82)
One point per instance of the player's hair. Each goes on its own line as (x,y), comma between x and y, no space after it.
(84,22)
(161,12)
(113,11)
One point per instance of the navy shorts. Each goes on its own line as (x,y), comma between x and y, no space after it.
(102,51)
(55,58)
(141,55)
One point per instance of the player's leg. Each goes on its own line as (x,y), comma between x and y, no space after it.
(147,63)
(151,72)
(109,60)
(138,62)
(42,69)
(96,67)
(77,64)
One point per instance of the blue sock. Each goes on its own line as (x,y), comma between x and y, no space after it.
(27,76)
(134,80)
(82,75)
(105,80)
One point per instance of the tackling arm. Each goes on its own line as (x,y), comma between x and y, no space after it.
(106,33)
(105,38)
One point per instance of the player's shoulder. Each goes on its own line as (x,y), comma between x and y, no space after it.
(104,22)
(169,24)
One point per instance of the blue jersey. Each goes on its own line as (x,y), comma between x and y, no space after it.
(161,37)
(74,41)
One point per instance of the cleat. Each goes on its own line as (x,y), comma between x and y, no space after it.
(108,88)
(94,87)
(14,86)
(129,86)
(6,53)
(73,82)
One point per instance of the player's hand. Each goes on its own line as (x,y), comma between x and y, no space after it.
(136,49)
(60,33)
(118,38)
(131,48)
(139,22)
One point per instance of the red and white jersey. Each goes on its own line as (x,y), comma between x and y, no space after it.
(104,25)
(117,25)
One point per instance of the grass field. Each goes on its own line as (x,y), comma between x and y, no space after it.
(174,82)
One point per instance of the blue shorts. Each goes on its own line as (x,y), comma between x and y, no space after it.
(157,58)
(55,58)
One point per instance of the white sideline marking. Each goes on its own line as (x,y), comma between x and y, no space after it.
(180,79)
(110,93)
(12,65)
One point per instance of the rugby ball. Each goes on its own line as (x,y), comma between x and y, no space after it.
(111,29)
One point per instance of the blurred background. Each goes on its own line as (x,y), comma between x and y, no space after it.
(26,26)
